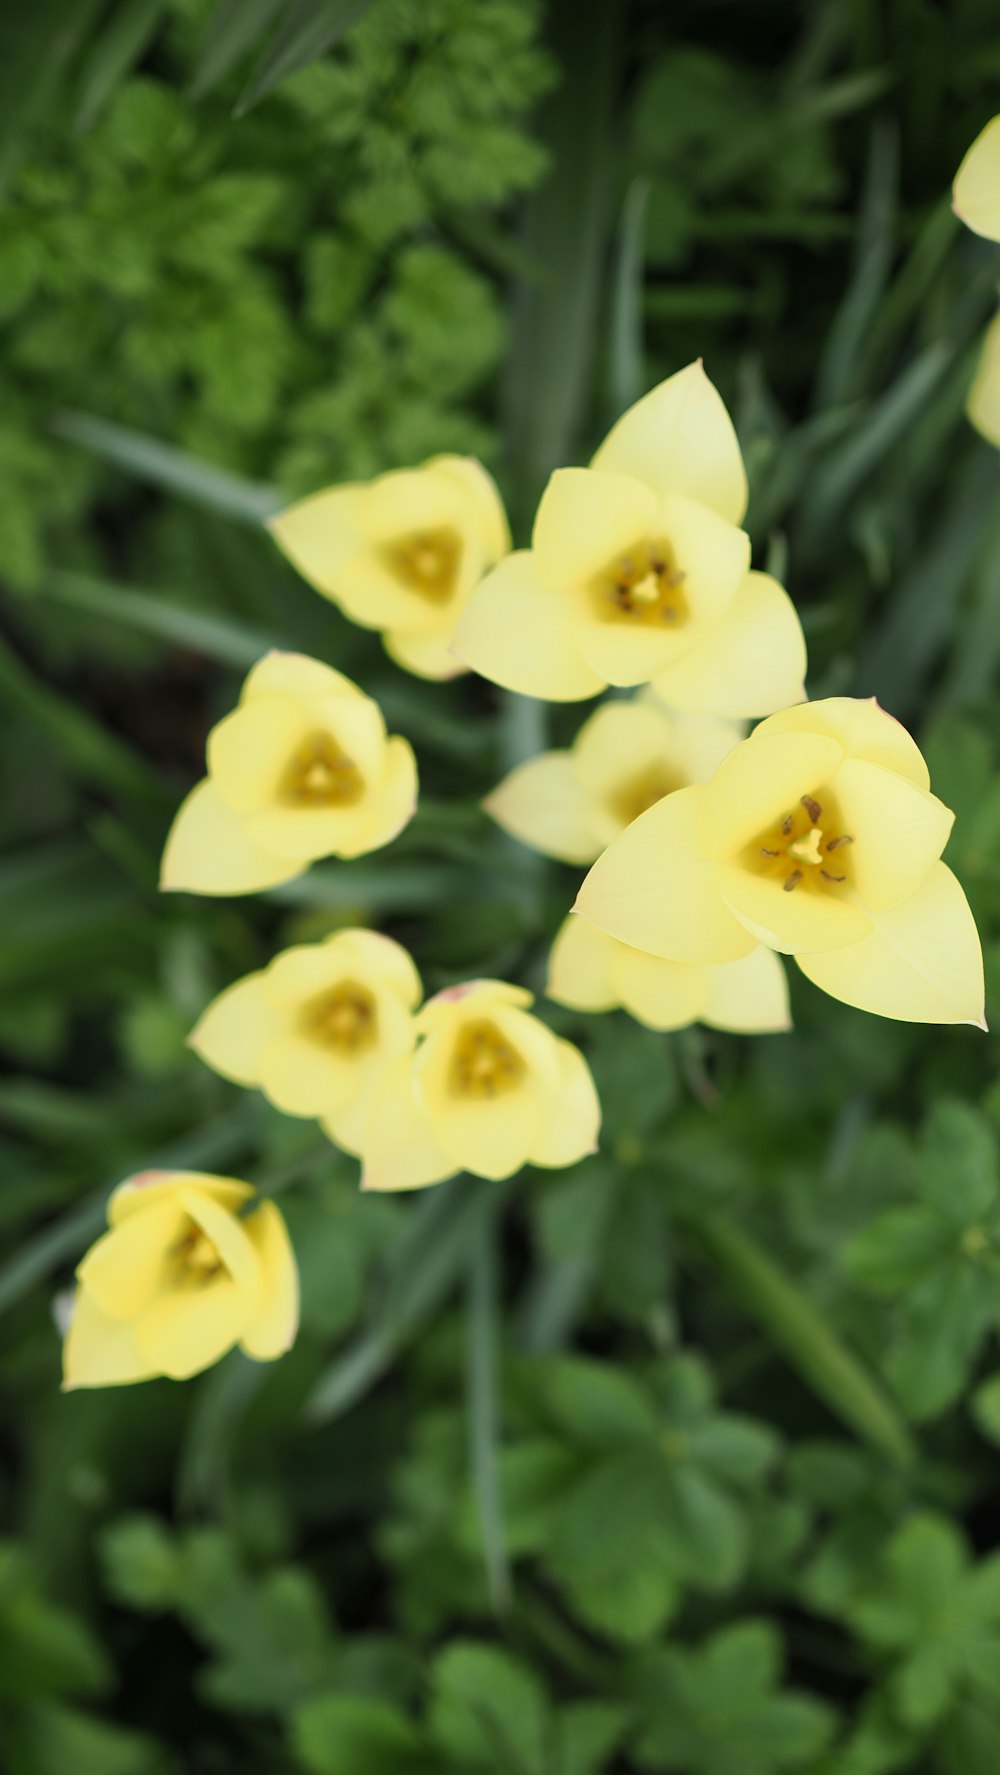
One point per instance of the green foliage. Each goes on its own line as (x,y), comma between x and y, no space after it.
(684,1459)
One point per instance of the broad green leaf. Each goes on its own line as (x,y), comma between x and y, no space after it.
(488,1711)
(348,1735)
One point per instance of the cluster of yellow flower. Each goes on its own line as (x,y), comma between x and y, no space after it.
(711,853)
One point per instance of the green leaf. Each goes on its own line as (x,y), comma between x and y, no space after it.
(349,1735)
(599,1406)
(959,1173)
(488,1711)
(310,29)
(168,468)
(233,27)
(122,43)
(796,1328)
(483,1408)
(899,1248)
(220,638)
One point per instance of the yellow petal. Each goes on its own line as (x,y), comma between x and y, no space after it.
(138,1193)
(619,742)
(248,751)
(698,743)
(791,922)
(303,1078)
(921,964)
(100,1351)
(482,497)
(125,1269)
(210,851)
(184,1332)
(280,673)
(713,557)
(520,633)
(580,967)
(585,521)
(899,831)
(656,890)
(861,728)
(661,994)
(272,1330)
(426,652)
(298,973)
(317,534)
(983,405)
(758,782)
(680,439)
(228,1235)
(480,996)
(400,1150)
(233,1032)
(545,805)
(753,661)
(490,1136)
(749,996)
(976,191)
(392,805)
(572,1114)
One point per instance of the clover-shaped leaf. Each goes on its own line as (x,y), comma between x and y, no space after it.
(721,1710)
(941,1257)
(935,1618)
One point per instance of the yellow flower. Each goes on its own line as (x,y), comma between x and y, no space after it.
(402,553)
(301,769)
(983,403)
(317,1028)
(590,971)
(570,804)
(976,191)
(489,1089)
(179,1279)
(819,837)
(638,571)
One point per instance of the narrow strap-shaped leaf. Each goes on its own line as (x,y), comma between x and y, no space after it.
(310,29)
(117,50)
(90,753)
(483,1407)
(148,459)
(794,1326)
(38,42)
(221,638)
(234,27)
(626,373)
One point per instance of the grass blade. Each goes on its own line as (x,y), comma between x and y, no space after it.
(483,1408)
(235,25)
(311,28)
(125,39)
(148,459)
(90,753)
(626,368)
(220,638)
(795,1327)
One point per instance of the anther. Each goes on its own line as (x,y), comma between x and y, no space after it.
(766,853)
(834,844)
(828,877)
(793,880)
(812,807)
(787,824)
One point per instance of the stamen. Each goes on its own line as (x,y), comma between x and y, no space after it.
(787,824)
(828,877)
(812,807)
(834,844)
(793,880)
(766,853)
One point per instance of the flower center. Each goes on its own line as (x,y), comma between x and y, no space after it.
(426,562)
(195,1258)
(645,586)
(483,1062)
(807,849)
(320,774)
(642,791)
(344,1019)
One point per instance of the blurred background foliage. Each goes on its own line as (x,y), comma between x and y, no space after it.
(684,1460)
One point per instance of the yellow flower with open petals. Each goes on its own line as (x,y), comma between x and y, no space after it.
(570,804)
(638,571)
(489,1089)
(819,837)
(590,971)
(976,191)
(402,553)
(179,1279)
(317,1028)
(302,769)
